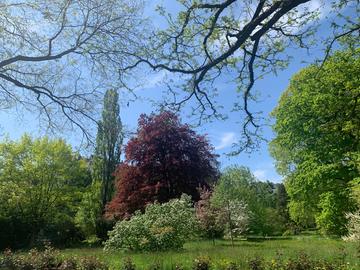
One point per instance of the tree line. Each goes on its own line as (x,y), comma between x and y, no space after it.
(50,192)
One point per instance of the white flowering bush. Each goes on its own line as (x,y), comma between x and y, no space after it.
(353,227)
(238,217)
(161,227)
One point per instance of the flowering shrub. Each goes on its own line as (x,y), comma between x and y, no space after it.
(238,217)
(160,227)
(212,219)
(201,263)
(353,227)
(48,259)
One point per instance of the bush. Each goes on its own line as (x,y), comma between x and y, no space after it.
(68,264)
(48,259)
(201,263)
(128,264)
(91,263)
(161,227)
(301,262)
(35,259)
(353,227)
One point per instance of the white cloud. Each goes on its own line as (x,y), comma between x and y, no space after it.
(266,172)
(155,79)
(226,140)
(261,174)
(322,7)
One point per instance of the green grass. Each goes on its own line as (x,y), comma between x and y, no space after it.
(222,252)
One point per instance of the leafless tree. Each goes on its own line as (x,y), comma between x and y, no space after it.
(241,38)
(57,56)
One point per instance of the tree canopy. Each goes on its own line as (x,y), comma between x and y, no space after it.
(40,183)
(263,200)
(237,41)
(165,159)
(317,140)
(56,57)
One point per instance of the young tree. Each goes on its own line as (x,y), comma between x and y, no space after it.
(317,141)
(89,213)
(40,182)
(237,218)
(164,160)
(109,140)
(212,219)
(56,56)
(238,184)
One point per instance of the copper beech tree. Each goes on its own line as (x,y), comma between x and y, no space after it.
(163,160)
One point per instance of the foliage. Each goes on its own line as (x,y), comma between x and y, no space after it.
(48,259)
(109,140)
(274,255)
(212,219)
(205,43)
(35,259)
(237,184)
(201,263)
(161,227)
(353,227)
(301,262)
(222,253)
(91,263)
(317,141)
(237,218)
(164,160)
(128,264)
(89,212)
(58,56)
(40,185)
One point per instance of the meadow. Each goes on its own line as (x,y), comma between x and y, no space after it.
(223,253)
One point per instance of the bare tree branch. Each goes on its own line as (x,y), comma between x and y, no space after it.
(211,38)
(57,58)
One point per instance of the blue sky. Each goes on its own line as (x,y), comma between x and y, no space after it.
(222,134)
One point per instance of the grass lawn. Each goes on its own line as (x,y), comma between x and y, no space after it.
(222,252)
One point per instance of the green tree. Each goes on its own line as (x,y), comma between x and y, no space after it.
(88,216)
(261,200)
(237,184)
(108,145)
(317,141)
(40,185)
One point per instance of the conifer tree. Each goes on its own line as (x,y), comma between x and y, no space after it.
(108,144)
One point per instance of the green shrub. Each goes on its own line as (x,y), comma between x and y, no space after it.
(91,263)
(201,263)
(301,262)
(34,259)
(48,259)
(68,264)
(128,264)
(161,227)
(256,264)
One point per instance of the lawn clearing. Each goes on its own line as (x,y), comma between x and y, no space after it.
(222,252)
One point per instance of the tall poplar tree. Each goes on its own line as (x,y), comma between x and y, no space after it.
(108,144)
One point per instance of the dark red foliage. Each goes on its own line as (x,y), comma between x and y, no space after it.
(164,160)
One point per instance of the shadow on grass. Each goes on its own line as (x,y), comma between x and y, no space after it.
(265,238)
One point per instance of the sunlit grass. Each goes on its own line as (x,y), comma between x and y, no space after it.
(222,252)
